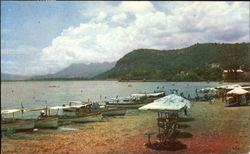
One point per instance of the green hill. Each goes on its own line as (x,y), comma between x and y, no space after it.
(199,62)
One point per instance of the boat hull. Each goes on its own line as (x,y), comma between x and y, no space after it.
(51,122)
(67,119)
(17,125)
(115,112)
(126,105)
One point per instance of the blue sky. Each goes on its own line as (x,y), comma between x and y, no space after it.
(42,37)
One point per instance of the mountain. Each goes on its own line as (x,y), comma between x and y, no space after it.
(6,76)
(199,62)
(78,70)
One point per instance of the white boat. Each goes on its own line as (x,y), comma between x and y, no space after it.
(148,94)
(75,106)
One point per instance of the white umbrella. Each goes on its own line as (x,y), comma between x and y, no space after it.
(170,102)
(238,91)
(233,86)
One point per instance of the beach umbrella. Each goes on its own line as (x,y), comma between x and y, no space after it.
(238,91)
(171,102)
(233,86)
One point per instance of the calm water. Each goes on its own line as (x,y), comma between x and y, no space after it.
(35,93)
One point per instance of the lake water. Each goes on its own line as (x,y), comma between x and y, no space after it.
(35,93)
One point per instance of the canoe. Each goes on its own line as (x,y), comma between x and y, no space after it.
(115,112)
(47,122)
(17,125)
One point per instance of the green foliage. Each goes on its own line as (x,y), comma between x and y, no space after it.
(199,62)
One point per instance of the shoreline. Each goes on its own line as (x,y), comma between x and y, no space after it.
(124,81)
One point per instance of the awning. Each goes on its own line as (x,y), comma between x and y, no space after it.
(12,111)
(238,91)
(171,103)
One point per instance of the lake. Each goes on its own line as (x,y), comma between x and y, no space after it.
(36,93)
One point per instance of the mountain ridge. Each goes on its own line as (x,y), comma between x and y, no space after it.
(198,62)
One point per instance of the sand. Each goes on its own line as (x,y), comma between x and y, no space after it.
(212,128)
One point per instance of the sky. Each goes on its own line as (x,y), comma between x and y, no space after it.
(41,37)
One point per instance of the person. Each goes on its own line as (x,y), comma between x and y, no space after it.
(42,113)
(182,95)
(185,110)
(243,100)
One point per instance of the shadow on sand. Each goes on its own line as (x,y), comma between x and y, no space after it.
(183,126)
(182,119)
(173,146)
(184,135)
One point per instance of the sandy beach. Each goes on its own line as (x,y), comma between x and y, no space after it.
(212,128)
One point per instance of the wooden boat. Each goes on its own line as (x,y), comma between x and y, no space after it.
(46,122)
(14,124)
(75,106)
(152,94)
(17,125)
(135,104)
(115,112)
(67,119)
(94,107)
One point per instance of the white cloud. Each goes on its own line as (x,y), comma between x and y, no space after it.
(101,16)
(136,7)
(119,18)
(164,25)
(22,49)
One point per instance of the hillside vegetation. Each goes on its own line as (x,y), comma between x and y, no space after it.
(199,62)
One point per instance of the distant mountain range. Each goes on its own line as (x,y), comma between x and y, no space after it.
(6,76)
(79,70)
(74,71)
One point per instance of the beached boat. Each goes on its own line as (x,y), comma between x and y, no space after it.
(17,125)
(135,104)
(115,112)
(75,106)
(150,94)
(91,117)
(46,122)
(94,107)
(83,117)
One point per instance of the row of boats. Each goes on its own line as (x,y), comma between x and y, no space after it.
(76,112)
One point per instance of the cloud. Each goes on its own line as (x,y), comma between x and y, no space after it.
(22,49)
(114,29)
(136,7)
(101,16)
(119,17)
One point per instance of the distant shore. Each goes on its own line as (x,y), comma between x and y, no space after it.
(112,80)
